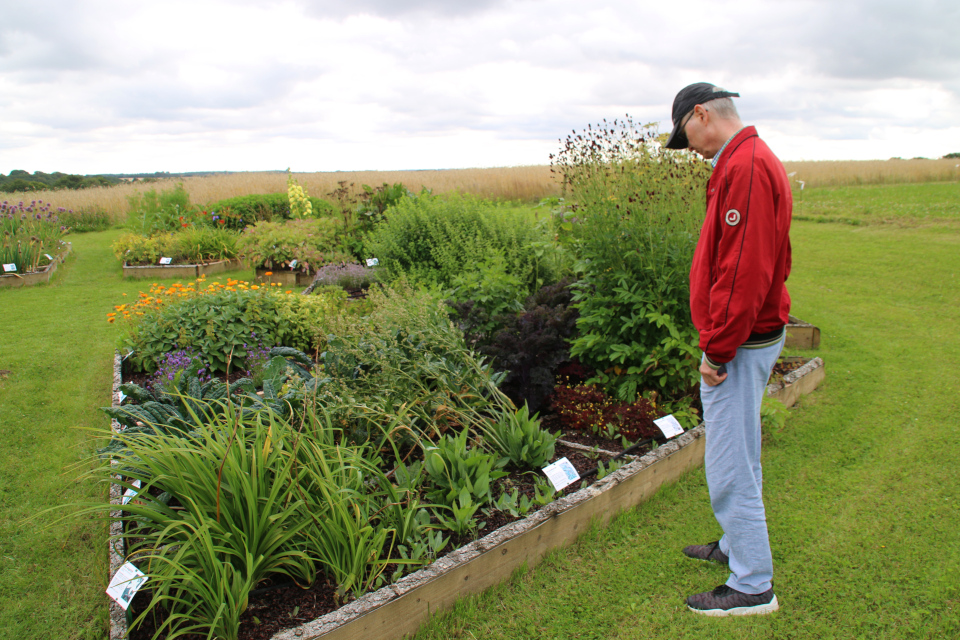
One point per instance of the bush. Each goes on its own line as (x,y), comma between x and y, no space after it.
(432,240)
(349,276)
(85,220)
(246,210)
(527,346)
(151,212)
(275,245)
(188,246)
(633,225)
(217,320)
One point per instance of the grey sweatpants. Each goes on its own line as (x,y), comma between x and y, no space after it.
(731,411)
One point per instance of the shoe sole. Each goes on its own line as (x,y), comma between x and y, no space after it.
(756,610)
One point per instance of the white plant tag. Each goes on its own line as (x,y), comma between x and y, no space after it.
(130,494)
(561,473)
(293,264)
(166,260)
(372,262)
(10,267)
(125,584)
(49,257)
(121,396)
(669,426)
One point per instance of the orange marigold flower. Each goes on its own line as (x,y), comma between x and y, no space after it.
(268,273)
(110,315)
(110,320)
(288,291)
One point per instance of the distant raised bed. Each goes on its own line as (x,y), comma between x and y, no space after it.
(801,335)
(180,270)
(795,377)
(16,279)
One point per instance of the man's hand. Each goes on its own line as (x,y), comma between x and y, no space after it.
(710,375)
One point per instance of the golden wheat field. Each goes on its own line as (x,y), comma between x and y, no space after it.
(525,184)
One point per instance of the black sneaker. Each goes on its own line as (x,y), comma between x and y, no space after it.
(724,601)
(710,552)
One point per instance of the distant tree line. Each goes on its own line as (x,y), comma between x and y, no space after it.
(20,180)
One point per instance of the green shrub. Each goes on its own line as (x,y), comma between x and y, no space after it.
(637,210)
(247,210)
(432,240)
(217,324)
(151,212)
(85,220)
(187,246)
(275,245)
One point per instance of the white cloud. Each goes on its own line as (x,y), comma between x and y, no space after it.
(100,85)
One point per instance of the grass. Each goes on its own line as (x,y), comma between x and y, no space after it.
(860,483)
(895,204)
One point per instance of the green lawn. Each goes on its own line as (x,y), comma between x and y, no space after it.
(861,483)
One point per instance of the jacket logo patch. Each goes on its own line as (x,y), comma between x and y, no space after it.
(732,218)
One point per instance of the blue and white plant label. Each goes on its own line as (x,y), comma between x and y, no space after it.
(293,264)
(669,426)
(372,262)
(125,584)
(166,260)
(9,267)
(561,473)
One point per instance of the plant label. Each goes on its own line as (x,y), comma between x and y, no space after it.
(49,257)
(121,396)
(561,473)
(669,426)
(166,260)
(125,584)
(293,264)
(372,262)
(130,494)
(129,353)
(9,267)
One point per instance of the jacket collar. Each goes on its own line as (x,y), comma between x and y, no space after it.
(731,147)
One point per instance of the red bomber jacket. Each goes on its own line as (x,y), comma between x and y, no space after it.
(742,260)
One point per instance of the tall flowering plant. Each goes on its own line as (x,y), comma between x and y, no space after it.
(300,206)
(30,232)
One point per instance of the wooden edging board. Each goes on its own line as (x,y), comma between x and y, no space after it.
(180,270)
(801,335)
(398,610)
(798,382)
(36,277)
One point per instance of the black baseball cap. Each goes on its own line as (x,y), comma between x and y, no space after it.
(689,97)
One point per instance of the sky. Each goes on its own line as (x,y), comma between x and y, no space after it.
(104,86)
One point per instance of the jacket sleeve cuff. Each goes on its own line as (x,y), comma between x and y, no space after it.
(711,363)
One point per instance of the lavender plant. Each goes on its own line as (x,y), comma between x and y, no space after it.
(172,364)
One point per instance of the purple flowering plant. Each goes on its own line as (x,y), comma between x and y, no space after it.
(28,233)
(174,363)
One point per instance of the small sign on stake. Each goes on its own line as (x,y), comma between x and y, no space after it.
(669,426)
(121,396)
(130,494)
(9,267)
(372,262)
(49,257)
(125,584)
(561,473)
(293,264)
(166,260)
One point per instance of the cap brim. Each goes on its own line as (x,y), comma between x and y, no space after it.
(677,139)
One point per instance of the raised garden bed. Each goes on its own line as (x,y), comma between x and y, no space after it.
(801,335)
(180,270)
(398,609)
(802,376)
(36,277)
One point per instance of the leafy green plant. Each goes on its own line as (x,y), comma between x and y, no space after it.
(28,233)
(311,243)
(150,212)
(433,239)
(460,522)
(217,322)
(457,472)
(187,246)
(518,437)
(85,219)
(241,211)
(773,413)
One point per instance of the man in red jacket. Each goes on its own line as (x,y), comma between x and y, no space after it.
(740,306)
